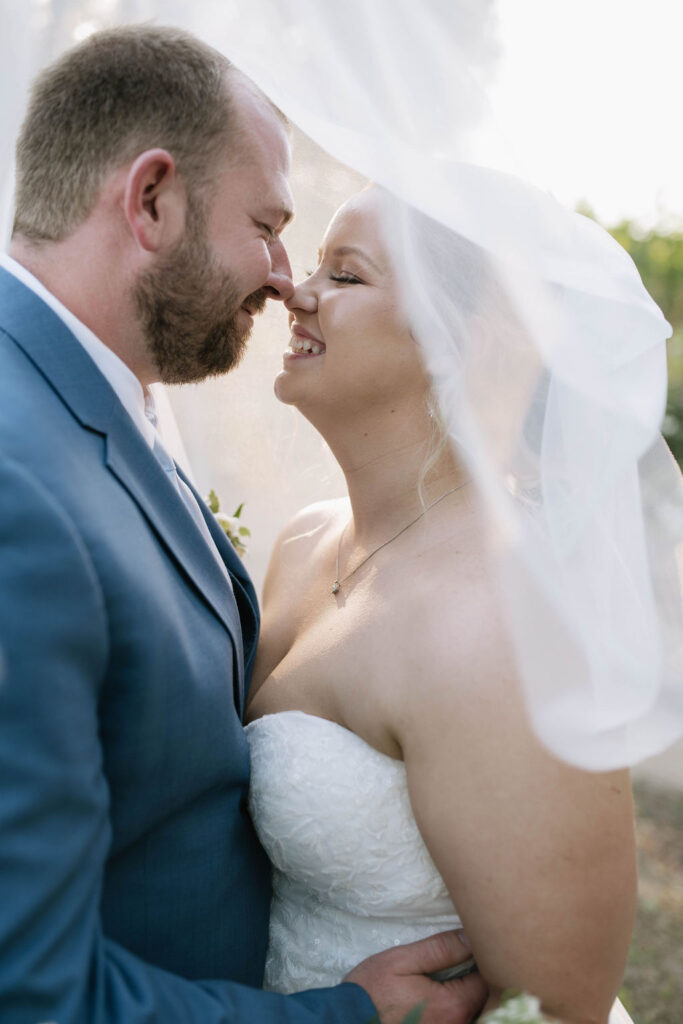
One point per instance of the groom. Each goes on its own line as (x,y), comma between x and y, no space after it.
(151,192)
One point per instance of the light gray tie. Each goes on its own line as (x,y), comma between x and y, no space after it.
(190,501)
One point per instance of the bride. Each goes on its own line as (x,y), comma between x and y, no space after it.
(397,786)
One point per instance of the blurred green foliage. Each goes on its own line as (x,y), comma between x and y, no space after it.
(653,991)
(658,256)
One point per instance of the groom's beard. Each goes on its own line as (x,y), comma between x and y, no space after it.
(189,313)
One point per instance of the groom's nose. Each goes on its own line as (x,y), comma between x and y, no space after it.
(279,284)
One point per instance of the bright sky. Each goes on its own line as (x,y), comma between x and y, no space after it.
(592,91)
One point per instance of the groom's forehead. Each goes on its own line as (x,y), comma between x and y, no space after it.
(253,112)
(266,171)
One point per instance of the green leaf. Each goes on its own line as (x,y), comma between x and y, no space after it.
(415,1015)
(213,502)
(238,513)
(244,531)
(627,999)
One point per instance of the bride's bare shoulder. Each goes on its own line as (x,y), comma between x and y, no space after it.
(310,525)
(303,535)
(456,625)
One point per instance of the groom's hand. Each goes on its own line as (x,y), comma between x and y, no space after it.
(396,981)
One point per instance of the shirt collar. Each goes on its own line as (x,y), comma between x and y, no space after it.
(138,402)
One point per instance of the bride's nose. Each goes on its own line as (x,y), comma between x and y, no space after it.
(303,298)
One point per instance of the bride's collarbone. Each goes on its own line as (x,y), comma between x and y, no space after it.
(357,620)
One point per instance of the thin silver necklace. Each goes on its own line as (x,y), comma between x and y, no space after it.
(337,584)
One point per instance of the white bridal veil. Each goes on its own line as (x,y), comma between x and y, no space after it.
(547,354)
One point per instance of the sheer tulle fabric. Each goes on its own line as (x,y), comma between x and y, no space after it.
(547,355)
(546,352)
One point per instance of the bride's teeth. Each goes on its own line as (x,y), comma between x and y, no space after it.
(305,346)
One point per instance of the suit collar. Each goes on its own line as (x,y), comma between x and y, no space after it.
(57,354)
(121,378)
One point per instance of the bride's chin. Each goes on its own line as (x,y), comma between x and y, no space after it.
(285,389)
(313,406)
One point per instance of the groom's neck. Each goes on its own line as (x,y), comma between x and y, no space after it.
(85,275)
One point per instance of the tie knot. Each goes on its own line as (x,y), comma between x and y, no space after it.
(163,457)
(150,408)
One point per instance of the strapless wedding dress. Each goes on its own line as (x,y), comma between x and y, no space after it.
(352,875)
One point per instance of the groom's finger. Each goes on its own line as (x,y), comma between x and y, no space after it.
(435,953)
(397,981)
(470,993)
(468,966)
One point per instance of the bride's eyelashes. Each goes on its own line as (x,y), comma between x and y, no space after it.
(339,277)
(345,278)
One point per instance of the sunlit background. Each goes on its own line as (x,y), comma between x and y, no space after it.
(589,92)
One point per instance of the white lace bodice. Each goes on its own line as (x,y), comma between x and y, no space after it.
(352,874)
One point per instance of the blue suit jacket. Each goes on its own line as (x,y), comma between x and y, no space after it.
(132,886)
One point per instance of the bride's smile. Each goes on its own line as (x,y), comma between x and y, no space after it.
(303,343)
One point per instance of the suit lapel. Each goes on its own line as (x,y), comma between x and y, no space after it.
(243,588)
(133,463)
(68,368)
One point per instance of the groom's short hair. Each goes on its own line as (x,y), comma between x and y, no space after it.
(119,93)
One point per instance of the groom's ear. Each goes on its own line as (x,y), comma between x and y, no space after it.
(154,201)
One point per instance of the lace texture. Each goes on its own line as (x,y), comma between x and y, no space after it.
(352,875)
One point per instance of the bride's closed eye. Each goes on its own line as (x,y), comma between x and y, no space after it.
(345,278)
(340,277)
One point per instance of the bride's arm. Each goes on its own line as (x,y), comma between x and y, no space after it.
(538,856)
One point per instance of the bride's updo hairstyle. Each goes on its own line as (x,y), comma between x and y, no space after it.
(119,93)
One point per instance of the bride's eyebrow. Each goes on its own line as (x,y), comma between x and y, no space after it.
(352,250)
